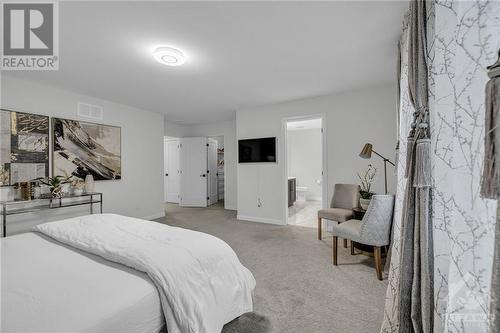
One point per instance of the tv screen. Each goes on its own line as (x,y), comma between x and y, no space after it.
(257,150)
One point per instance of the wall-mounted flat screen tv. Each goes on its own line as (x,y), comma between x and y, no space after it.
(257,150)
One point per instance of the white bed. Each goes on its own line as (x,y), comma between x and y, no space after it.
(112,273)
(115,298)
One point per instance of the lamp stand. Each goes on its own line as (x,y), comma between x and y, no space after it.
(385,169)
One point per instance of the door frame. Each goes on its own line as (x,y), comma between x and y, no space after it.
(324,159)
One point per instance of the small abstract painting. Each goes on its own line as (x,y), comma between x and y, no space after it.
(82,148)
(24,147)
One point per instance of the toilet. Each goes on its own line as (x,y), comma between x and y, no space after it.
(301,193)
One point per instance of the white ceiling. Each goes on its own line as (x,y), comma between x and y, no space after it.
(239,54)
(304,124)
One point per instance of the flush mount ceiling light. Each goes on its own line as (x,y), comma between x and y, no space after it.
(169,56)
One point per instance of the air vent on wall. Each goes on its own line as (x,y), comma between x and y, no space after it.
(90,111)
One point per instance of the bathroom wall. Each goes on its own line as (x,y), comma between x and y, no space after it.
(304,160)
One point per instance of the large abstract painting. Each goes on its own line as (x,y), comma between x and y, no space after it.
(82,148)
(24,147)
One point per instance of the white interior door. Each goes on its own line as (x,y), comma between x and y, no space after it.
(212,171)
(193,166)
(172,172)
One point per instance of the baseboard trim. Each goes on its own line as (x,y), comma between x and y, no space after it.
(154,216)
(259,219)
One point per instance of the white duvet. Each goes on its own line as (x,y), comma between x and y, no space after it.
(201,282)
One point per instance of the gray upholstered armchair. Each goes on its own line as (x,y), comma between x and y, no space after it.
(374,229)
(345,198)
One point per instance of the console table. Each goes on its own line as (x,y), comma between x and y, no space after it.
(48,202)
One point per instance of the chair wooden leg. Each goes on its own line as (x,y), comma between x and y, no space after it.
(345,243)
(319,228)
(335,250)
(352,248)
(378,261)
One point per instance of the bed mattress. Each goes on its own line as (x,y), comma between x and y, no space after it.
(72,291)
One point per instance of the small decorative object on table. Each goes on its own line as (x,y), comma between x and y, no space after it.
(89,183)
(55,184)
(77,185)
(367,180)
(4,176)
(36,189)
(6,192)
(25,190)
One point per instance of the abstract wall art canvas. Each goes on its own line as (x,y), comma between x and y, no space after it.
(82,148)
(24,147)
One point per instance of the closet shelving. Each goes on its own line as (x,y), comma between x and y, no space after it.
(220,173)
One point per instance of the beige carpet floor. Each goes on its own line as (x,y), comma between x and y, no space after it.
(298,289)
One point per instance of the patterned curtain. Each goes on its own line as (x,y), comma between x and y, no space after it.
(463,37)
(406,110)
(416,260)
(465,40)
(490,182)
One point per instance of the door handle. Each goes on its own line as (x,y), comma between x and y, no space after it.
(203,175)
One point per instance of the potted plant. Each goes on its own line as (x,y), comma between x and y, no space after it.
(55,184)
(367,179)
(77,185)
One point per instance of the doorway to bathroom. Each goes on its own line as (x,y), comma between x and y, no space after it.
(304,170)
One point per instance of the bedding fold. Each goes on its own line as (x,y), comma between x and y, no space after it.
(200,280)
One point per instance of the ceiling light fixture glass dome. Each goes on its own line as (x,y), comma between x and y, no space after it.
(169,56)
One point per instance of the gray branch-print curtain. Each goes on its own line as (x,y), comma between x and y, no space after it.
(416,260)
(490,185)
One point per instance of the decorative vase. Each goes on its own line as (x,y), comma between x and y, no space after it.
(89,183)
(25,188)
(364,203)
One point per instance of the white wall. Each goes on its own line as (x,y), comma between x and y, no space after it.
(352,118)
(140,191)
(305,162)
(174,130)
(228,130)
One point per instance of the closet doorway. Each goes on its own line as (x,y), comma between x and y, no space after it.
(220,175)
(192,171)
(305,164)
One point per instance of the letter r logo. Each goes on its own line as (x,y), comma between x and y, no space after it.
(28,29)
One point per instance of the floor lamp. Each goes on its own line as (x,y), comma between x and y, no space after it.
(367,151)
